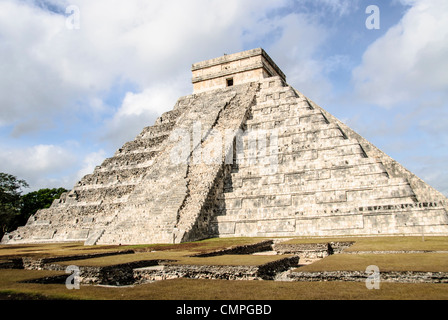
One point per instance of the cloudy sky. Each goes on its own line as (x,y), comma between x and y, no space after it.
(79,78)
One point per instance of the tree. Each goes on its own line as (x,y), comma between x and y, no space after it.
(33,201)
(10,201)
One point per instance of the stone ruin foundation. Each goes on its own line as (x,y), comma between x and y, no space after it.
(283,269)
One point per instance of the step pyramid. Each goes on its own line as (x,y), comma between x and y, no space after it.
(244,155)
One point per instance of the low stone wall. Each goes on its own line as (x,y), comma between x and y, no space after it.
(11,264)
(269,270)
(263,272)
(243,249)
(117,275)
(31,263)
(339,246)
(195,272)
(156,270)
(312,250)
(396,276)
(395,251)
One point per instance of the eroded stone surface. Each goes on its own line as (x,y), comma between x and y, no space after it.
(296,171)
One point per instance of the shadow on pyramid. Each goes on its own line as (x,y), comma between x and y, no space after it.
(246,155)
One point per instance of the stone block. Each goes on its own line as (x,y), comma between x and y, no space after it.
(225,228)
(276,226)
(354,221)
(44,234)
(81,234)
(273,179)
(277,201)
(251,183)
(331,196)
(243,228)
(251,203)
(308,227)
(317,174)
(231,204)
(299,201)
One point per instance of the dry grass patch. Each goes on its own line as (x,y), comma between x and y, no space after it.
(127,258)
(177,257)
(201,246)
(189,289)
(430,262)
(178,253)
(383,243)
(400,244)
(78,248)
(192,289)
(53,250)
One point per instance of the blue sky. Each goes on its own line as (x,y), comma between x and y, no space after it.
(70,97)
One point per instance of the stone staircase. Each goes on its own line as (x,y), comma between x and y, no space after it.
(84,213)
(169,203)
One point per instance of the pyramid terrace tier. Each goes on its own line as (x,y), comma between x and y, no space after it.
(409,221)
(116,177)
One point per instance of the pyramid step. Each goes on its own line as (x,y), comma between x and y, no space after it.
(364,172)
(157,130)
(104,179)
(142,144)
(250,187)
(309,118)
(258,148)
(128,159)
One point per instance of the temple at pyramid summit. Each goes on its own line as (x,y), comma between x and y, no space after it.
(245,155)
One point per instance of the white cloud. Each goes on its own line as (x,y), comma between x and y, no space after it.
(410,60)
(341,7)
(50,166)
(405,71)
(39,165)
(294,50)
(433,171)
(49,73)
(46,68)
(140,110)
(52,77)
(89,163)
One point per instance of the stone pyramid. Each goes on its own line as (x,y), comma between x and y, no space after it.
(244,155)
